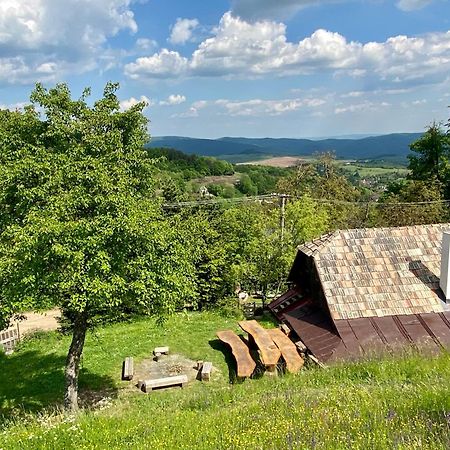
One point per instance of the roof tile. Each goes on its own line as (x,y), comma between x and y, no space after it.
(380,271)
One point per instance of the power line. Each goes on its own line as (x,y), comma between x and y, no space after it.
(215,201)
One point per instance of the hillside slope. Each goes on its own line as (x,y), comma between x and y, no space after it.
(391,146)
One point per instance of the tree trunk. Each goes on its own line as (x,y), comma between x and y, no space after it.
(73,363)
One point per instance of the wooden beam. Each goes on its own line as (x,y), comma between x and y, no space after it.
(206,371)
(270,354)
(128,369)
(149,385)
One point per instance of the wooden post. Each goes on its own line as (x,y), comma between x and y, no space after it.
(282,216)
(206,371)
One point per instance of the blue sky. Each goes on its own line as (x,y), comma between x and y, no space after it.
(256,68)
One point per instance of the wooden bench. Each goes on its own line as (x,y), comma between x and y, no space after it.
(150,385)
(245,363)
(294,362)
(128,369)
(270,353)
(160,351)
(206,371)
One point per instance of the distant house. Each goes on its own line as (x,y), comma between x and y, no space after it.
(356,292)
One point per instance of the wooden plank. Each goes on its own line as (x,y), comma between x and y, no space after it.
(270,354)
(315,330)
(438,327)
(149,385)
(390,331)
(367,335)
(161,351)
(417,332)
(285,329)
(128,369)
(294,362)
(206,371)
(245,363)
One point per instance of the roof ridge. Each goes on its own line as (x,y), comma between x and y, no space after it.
(313,247)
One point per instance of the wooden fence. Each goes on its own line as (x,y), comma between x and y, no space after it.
(9,339)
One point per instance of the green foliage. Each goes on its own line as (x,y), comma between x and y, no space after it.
(246,186)
(394,212)
(305,220)
(432,156)
(190,166)
(264,178)
(322,180)
(79,224)
(241,247)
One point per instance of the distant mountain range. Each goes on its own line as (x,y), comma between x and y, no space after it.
(393,147)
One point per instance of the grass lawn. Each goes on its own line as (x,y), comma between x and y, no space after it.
(401,402)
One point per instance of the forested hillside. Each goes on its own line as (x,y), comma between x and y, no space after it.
(393,147)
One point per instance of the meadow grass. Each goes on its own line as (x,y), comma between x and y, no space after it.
(396,402)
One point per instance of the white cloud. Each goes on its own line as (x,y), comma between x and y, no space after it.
(259,107)
(411,5)
(146,44)
(14,106)
(164,64)
(200,104)
(361,107)
(128,103)
(182,31)
(241,49)
(191,112)
(254,107)
(353,94)
(55,36)
(174,99)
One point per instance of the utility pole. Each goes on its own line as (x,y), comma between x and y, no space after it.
(282,216)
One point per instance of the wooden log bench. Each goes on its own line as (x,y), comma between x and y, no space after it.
(206,371)
(158,383)
(270,353)
(160,351)
(294,362)
(245,363)
(128,369)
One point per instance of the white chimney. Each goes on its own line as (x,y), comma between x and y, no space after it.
(444,281)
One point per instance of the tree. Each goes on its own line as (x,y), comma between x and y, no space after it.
(79,225)
(305,220)
(412,202)
(431,160)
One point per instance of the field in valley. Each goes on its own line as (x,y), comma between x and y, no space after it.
(278,161)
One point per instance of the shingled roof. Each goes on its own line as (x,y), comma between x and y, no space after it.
(379,272)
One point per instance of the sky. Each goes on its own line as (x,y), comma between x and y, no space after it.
(253,68)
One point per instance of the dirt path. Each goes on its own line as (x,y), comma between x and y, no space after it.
(45,321)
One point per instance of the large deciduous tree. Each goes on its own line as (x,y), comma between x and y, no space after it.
(79,225)
(431,158)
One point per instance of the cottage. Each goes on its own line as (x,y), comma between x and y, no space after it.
(358,292)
